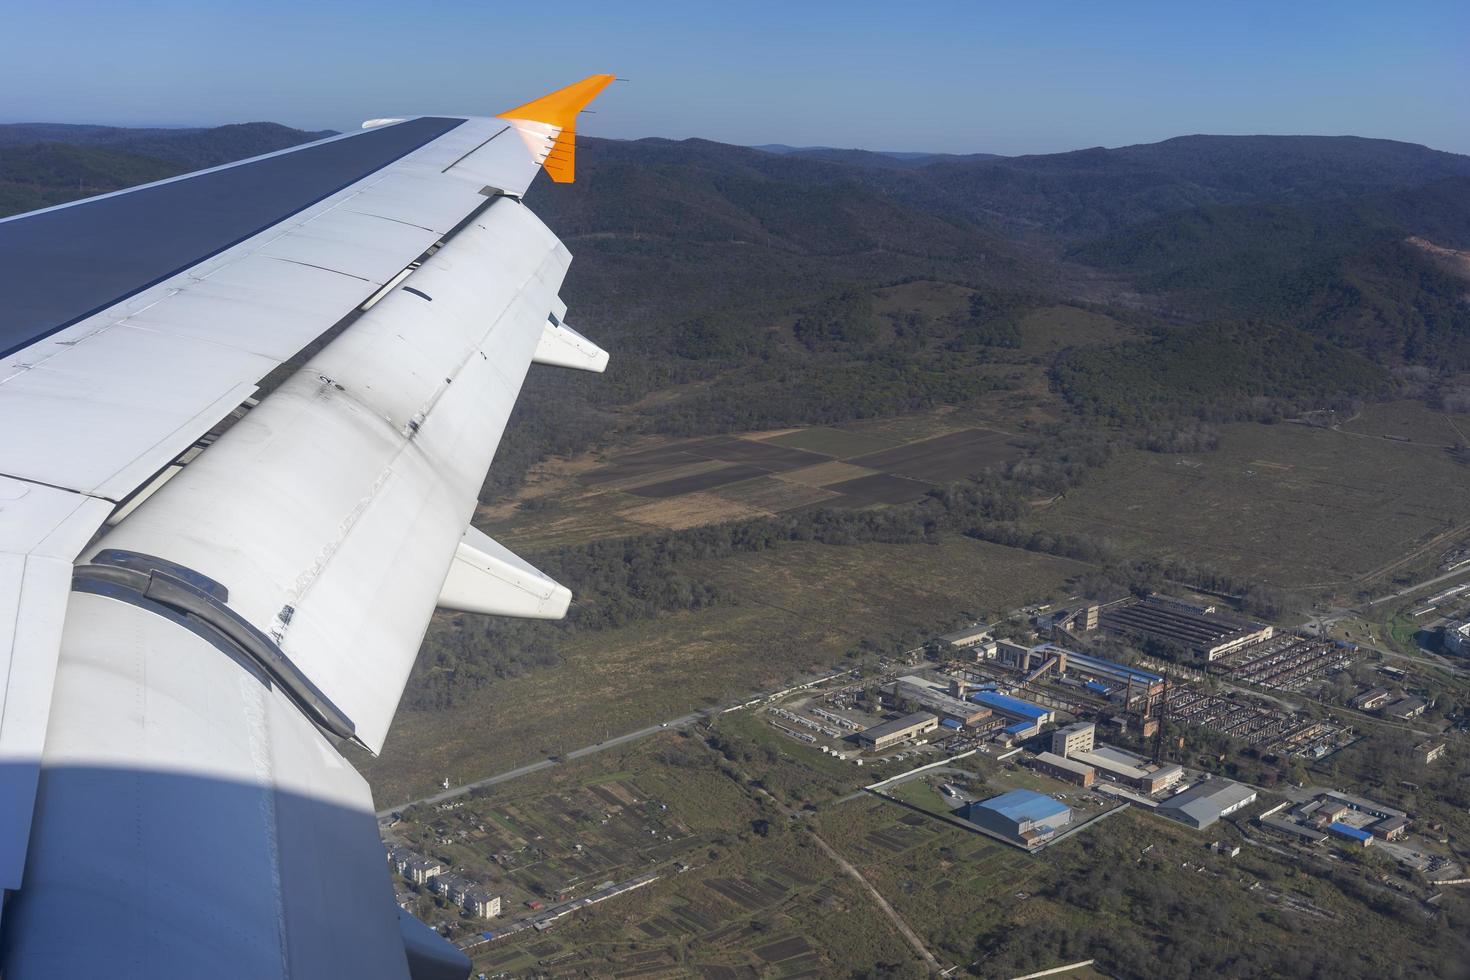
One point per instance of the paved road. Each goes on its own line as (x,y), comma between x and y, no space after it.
(526,770)
(681,722)
(464,788)
(1408,589)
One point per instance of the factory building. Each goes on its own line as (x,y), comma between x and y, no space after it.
(1371,700)
(880,737)
(1456,638)
(1112,675)
(1302,832)
(964,639)
(1076,737)
(1204,803)
(1130,770)
(1026,818)
(1020,731)
(1017,655)
(1013,708)
(1362,805)
(1390,828)
(913,690)
(1205,634)
(1405,709)
(1067,770)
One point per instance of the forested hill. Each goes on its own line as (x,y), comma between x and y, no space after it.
(1092,192)
(747,282)
(42,164)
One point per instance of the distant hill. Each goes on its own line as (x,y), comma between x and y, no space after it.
(39,175)
(1092,192)
(42,164)
(195,149)
(1341,268)
(751,274)
(17,133)
(881,159)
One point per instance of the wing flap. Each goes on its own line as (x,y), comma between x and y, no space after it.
(488,578)
(333,510)
(41,528)
(561,346)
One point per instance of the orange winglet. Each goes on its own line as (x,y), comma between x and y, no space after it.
(560,109)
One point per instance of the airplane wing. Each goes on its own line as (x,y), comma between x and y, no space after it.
(213,571)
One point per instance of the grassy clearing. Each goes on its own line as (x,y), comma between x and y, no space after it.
(838,443)
(1048,330)
(1292,506)
(787,612)
(1410,420)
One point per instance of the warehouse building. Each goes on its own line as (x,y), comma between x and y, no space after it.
(1203,804)
(1026,818)
(880,737)
(1371,700)
(1207,635)
(915,692)
(1076,737)
(1067,770)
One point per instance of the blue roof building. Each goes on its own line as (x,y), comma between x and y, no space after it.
(1014,708)
(1356,834)
(1026,818)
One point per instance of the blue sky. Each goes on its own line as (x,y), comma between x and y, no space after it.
(1008,78)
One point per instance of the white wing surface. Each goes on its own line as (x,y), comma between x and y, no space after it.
(192,622)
